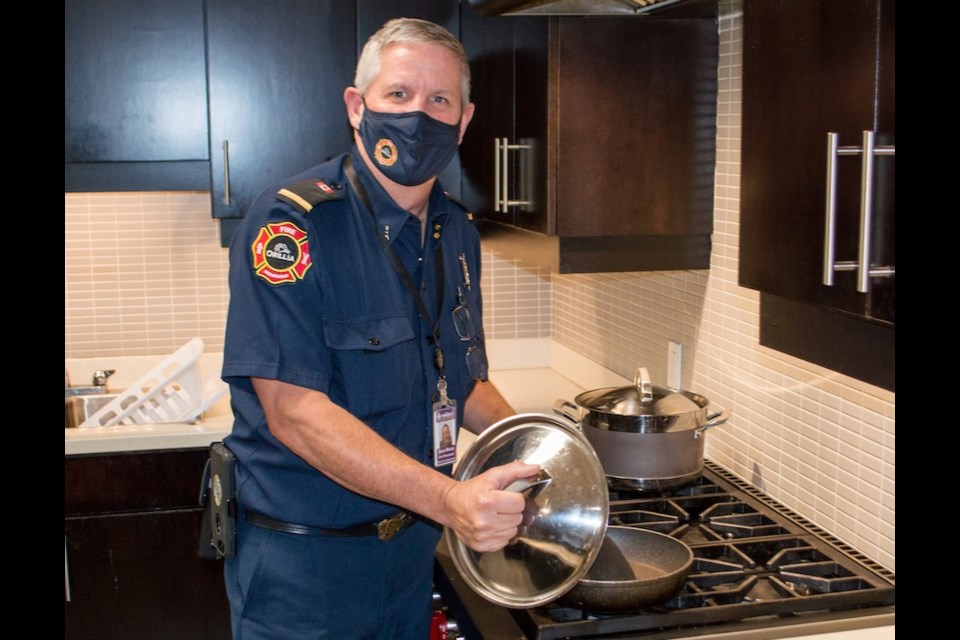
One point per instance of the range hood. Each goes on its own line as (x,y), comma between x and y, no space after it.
(581,7)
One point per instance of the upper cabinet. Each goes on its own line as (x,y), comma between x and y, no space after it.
(593,143)
(277,75)
(817,227)
(135,95)
(143,79)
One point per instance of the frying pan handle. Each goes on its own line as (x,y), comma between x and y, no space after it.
(560,408)
(713,420)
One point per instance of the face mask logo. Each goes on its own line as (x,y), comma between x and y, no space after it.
(385,152)
(408,148)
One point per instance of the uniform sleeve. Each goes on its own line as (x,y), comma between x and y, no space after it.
(274,328)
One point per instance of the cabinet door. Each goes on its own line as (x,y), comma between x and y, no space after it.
(635,108)
(811,68)
(138,576)
(489,42)
(134,89)
(614,124)
(277,71)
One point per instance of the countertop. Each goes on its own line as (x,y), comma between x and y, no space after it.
(528,376)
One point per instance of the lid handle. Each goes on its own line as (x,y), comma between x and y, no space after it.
(642,382)
(534,484)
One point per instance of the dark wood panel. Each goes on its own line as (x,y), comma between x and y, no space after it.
(849,344)
(277,74)
(134,481)
(637,113)
(139,576)
(618,121)
(137,176)
(134,81)
(829,52)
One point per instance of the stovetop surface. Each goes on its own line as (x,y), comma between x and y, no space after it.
(756,562)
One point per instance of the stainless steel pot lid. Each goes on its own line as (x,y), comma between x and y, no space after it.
(641,399)
(568,500)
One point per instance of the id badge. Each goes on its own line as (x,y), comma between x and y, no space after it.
(444,432)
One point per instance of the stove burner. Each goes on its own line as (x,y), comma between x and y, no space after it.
(756,563)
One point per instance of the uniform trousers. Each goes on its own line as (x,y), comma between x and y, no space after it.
(284,586)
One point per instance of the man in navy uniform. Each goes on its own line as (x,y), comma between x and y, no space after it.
(354,336)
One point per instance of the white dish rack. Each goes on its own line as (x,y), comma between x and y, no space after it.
(173,391)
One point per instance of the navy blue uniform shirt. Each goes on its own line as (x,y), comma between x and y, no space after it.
(314,302)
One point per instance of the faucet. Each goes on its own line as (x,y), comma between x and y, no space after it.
(100,377)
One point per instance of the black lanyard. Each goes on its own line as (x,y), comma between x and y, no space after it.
(400,269)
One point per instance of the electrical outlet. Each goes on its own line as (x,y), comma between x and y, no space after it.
(674,365)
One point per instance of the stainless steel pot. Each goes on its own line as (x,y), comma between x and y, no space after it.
(646,437)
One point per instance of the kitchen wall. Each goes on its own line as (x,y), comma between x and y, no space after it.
(144,272)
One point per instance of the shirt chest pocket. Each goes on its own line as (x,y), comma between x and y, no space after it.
(376,364)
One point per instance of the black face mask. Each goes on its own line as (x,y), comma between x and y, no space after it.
(409,148)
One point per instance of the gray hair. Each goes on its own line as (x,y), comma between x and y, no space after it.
(411,30)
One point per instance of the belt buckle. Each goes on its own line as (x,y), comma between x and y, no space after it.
(389,527)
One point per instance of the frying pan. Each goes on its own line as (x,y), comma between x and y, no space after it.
(634,570)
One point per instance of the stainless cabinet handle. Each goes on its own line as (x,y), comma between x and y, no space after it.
(497,176)
(862,265)
(501,169)
(226,173)
(505,176)
(66,572)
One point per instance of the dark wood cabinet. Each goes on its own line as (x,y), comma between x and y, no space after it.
(131,532)
(277,74)
(609,125)
(811,69)
(135,95)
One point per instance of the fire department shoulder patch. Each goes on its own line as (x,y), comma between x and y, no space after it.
(281,254)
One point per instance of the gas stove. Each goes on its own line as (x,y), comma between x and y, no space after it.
(760,571)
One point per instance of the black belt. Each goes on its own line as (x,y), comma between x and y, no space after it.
(385,529)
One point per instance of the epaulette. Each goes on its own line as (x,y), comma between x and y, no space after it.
(459,204)
(306,194)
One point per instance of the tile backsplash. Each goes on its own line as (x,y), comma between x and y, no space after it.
(144,273)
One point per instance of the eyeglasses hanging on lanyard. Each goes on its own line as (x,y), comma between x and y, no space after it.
(466,327)
(470,330)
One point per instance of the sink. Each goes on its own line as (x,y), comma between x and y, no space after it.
(79,407)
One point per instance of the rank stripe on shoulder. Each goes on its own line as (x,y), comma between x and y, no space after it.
(307,194)
(295,200)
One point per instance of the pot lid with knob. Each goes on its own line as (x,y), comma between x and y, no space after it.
(641,399)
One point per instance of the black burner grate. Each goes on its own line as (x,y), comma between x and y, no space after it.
(753,558)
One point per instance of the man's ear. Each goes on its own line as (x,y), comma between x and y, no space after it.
(464,120)
(354,101)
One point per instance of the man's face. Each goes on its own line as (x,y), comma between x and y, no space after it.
(418,77)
